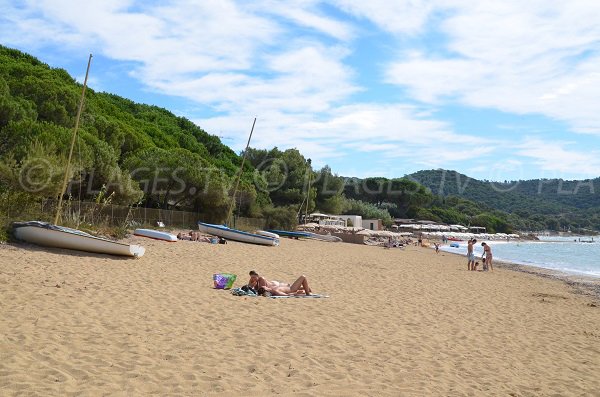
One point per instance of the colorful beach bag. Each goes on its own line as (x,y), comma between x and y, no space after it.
(224,280)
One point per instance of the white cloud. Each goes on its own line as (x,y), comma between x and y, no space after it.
(391,133)
(533,57)
(290,64)
(305,13)
(393,16)
(556,158)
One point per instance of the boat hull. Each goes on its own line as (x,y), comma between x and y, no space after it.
(155,234)
(267,233)
(237,235)
(48,235)
(286,233)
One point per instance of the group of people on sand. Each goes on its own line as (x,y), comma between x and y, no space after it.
(486,258)
(192,236)
(277,288)
(396,243)
(197,236)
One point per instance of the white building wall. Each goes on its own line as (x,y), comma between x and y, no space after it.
(356,220)
(372,224)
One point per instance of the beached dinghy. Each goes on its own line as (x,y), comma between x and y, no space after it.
(48,235)
(236,235)
(155,234)
(267,233)
(287,233)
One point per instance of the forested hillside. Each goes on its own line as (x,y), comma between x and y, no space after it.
(129,152)
(536,204)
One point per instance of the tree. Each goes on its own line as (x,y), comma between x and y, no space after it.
(38,174)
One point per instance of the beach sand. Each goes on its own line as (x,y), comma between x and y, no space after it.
(398,322)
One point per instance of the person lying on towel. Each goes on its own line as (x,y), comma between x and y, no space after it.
(277,288)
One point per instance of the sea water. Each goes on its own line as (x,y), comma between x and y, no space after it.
(564,254)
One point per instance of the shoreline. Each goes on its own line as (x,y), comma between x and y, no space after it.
(582,284)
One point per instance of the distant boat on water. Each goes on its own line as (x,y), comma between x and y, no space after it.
(48,235)
(237,235)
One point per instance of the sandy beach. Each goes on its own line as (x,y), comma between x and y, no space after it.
(398,322)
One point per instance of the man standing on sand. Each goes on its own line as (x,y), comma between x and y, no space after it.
(487,251)
(470,255)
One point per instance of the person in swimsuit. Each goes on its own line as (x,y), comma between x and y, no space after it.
(298,287)
(256,281)
(182,236)
(487,251)
(260,283)
(470,255)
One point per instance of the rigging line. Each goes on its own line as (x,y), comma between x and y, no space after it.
(300,208)
(64,186)
(80,181)
(307,193)
(237,183)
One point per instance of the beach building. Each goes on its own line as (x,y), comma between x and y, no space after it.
(403,224)
(352,220)
(372,224)
(411,225)
(325,219)
(477,229)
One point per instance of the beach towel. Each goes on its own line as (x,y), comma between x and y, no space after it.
(243,292)
(223,280)
(301,296)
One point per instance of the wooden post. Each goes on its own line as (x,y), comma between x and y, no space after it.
(307,192)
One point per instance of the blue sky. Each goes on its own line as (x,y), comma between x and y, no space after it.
(493,89)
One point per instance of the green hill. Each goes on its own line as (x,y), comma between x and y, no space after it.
(555,203)
(126,151)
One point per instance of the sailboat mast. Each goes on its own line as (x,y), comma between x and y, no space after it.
(237,182)
(67,170)
(307,192)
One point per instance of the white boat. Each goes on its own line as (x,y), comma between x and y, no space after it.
(287,233)
(48,235)
(155,234)
(266,233)
(237,235)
